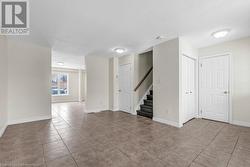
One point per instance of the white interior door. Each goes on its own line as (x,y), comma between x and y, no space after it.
(188,79)
(125,88)
(214,88)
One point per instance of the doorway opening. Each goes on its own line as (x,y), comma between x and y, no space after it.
(68,77)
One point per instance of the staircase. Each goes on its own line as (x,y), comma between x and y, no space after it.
(146,109)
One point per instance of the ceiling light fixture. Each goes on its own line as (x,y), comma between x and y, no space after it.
(119,50)
(60,63)
(221,33)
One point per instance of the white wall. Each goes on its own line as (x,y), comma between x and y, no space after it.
(127,59)
(166,82)
(240,57)
(76,82)
(29,73)
(82,85)
(97,95)
(113,84)
(187,49)
(3,83)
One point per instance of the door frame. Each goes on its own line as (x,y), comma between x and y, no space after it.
(230,83)
(131,84)
(196,60)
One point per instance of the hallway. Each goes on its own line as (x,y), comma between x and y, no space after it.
(74,138)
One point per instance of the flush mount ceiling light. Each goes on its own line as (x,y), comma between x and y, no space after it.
(119,50)
(221,33)
(60,63)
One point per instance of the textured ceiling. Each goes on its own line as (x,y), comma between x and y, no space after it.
(94,27)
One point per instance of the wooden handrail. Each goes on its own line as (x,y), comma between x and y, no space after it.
(143,79)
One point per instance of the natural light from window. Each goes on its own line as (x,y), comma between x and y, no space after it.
(60,84)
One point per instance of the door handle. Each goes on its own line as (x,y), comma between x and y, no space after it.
(119,90)
(226,92)
(191,92)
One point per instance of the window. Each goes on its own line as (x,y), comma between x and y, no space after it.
(60,84)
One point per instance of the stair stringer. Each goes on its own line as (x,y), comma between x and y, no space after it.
(144,97)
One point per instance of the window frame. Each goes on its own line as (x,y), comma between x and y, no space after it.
(60,73)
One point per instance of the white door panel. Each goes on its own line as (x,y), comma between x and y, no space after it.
(188,79)
(125,88)
(214,88)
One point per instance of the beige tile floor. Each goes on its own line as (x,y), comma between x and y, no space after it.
(116,139)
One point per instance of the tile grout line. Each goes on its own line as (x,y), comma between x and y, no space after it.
(44,156)
(127,156)
(200,147)
(144,150)
(63,120)
(66,146)
(233,151)
(206,146)
(214,136)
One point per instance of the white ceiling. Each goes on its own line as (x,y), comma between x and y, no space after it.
(70,60)
(94,27)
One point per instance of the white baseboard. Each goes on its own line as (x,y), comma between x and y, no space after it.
(92,111)
(241,123)
(32,119)
(134,113)
(141,101)
(168,122)
(115,109)
(65,101)
(95,110)
(2,130)
(198,116)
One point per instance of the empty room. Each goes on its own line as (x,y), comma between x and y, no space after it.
(117,83)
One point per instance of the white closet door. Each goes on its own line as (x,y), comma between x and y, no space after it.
(214,88)
(188,79)
(125,88)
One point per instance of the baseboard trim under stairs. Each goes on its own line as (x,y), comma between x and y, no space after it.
(145,106)
(2,130)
